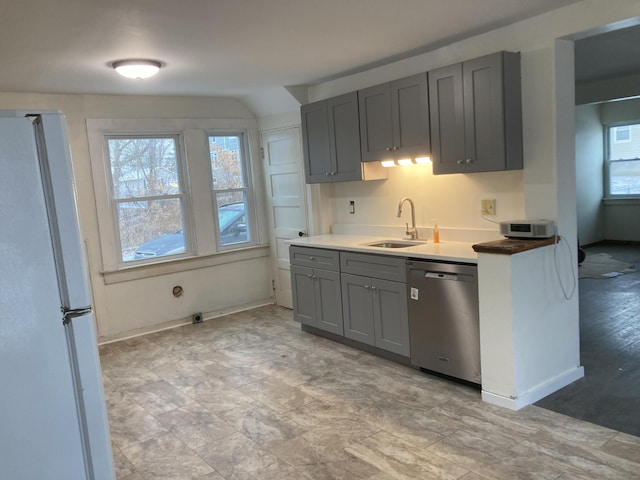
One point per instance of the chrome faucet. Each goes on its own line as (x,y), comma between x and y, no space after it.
(413,231)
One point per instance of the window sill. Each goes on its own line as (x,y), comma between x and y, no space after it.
(183,264)
(621,201)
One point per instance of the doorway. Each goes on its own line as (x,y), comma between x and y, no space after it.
(609,394)
(286,202)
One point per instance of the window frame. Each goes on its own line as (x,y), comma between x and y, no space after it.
(608,162)
(184,196)
(248,189)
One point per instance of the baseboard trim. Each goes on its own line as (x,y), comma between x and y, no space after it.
(538,393)
(181,322)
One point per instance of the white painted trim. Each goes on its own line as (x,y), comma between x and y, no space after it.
(535,394)
(499,400)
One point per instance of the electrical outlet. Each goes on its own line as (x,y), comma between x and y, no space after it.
(488,206)
(352,206)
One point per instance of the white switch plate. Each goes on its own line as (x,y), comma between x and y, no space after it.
(488,206)
(414,293)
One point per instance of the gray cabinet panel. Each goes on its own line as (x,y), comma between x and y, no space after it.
(328,301)
(391,325)
(377,266)
(331,141)
(315,287)
(376,135)
(357,308)
(476,115)
(410,117)
(315,142)
(344,137)
(304,296)
(394,119)
(447,118)
(314,257)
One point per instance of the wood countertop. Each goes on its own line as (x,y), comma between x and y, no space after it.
(511,246)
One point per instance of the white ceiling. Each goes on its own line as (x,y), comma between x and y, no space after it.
(241,48)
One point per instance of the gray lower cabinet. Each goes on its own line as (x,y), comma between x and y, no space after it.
(315,285)
(375,309)
(476,115)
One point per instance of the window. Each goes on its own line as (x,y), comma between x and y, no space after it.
(622,165)
(230,186)
(147,195)
(172,192)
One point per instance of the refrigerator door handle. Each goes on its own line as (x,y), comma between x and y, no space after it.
(68,314)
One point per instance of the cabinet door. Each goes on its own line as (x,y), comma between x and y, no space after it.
(484,114)
(493,112)
(328,301)
(303,291)
(410,117)
(357,308)
(344,137)
(446,112)
(390,316)
(376,136)
(315,142)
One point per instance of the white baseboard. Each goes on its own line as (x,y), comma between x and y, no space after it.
(535,394)
(185,321)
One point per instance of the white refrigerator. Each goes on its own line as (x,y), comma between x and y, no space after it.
(53,420)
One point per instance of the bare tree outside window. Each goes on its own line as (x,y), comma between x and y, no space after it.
(147,192)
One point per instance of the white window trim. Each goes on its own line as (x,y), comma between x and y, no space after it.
(185,196)
(609,198)
(194,135)
(248,189)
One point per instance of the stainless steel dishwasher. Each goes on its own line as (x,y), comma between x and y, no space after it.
(443,318)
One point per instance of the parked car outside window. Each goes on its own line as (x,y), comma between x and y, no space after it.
(232,219)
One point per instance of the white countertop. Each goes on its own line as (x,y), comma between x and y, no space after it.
(449,251)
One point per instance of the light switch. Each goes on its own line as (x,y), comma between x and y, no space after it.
(414,293)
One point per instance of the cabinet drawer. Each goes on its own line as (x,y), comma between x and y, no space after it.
(314,257)
(376,266)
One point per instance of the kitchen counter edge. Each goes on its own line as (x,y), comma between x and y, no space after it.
(444,251)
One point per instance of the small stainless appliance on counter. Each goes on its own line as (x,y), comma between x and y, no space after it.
(444,319)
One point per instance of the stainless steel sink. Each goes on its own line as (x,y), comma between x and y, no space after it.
(394,244)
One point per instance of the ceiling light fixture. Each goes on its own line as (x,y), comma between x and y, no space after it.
(137,69)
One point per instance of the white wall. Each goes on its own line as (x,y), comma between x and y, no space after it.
(146,303)
(589,174)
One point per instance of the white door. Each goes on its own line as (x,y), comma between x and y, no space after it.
(286,201)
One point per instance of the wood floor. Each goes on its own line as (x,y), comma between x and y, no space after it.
(609,394)
(251,397)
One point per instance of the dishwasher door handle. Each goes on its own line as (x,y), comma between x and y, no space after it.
(441,276)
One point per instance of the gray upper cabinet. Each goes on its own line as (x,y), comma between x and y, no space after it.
(476,115)
(394,119)
(331,141)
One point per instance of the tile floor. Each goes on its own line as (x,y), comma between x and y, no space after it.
(251,396)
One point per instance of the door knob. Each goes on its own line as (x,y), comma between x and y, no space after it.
(302,233)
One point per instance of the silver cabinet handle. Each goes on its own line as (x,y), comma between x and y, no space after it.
(327,174)
(388,149)
(366,287)
(312,258)
(460,162)
(396,148)
(468,161)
